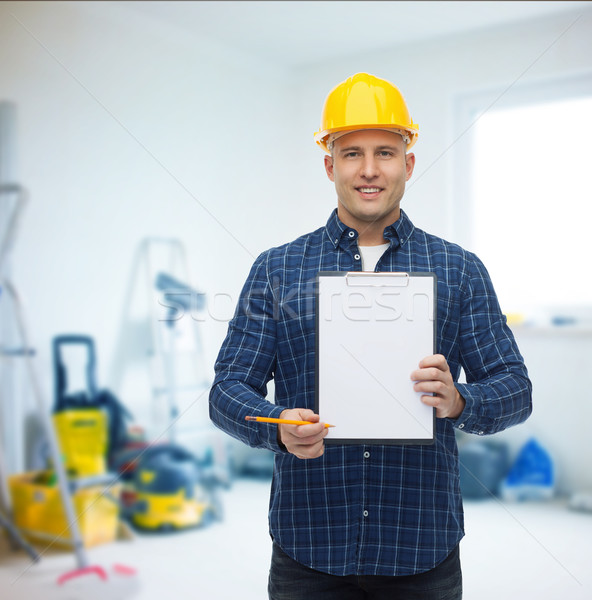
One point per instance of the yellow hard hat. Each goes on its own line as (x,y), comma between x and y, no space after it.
(365,102)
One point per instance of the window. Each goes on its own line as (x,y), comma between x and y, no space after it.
(529,199)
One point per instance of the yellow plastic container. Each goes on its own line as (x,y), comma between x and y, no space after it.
(39,514)
(168,511)
(82,436)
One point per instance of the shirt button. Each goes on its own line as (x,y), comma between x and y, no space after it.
(337,240)
(366,454)
(481,433)
(351,234)
(461,426)
(357,256)
(365,513)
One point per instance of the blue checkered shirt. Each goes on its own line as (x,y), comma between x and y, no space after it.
(367,510)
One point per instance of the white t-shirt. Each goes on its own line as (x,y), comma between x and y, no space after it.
(371,255)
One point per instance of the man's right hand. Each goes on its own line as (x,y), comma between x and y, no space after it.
(303,441)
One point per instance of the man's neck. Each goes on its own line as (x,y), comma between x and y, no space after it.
(367,238)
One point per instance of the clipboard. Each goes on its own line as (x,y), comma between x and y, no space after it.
(372,329)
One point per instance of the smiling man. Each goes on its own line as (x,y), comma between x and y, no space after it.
(353,521)
(369,168)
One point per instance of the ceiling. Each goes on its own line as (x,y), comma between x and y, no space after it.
(299,33)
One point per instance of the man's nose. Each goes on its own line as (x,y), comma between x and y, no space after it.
(369,168)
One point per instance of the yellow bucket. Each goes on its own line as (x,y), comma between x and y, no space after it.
(168,511)
(39,514)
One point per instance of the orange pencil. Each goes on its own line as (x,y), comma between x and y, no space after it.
(285,421)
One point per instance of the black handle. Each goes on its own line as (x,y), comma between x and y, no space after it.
(60,369)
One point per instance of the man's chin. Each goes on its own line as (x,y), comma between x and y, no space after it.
(369,217)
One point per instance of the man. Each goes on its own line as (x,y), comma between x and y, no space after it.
(356,521)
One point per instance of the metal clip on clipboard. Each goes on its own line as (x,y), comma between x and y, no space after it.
(364,278)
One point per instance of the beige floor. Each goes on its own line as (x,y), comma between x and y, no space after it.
(512,551)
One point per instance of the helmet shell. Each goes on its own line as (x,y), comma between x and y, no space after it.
(364,101)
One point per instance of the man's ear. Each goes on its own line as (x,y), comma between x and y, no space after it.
(329,167)
(409,164)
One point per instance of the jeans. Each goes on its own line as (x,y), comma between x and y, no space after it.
(289,580)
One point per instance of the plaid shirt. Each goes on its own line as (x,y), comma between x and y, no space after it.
(367,510)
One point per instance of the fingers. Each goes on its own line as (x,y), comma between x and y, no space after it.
(430,381)
(434,360)
(310,449)
(431,367)
(433,401)
(434,381)
(304,447)
(433,375)
(304,441)
(439,388)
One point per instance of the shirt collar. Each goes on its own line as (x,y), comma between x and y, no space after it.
(399,232)
(401,229)
(335,228)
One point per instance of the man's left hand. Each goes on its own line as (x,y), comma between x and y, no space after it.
(434,377)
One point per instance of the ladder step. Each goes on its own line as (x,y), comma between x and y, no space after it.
(17,351)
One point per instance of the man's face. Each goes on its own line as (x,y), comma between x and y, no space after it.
(369,169)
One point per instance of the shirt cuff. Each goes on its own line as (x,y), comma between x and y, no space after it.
(469,420)
(268,432)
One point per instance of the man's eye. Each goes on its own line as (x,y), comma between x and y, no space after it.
(351,154)
(385,154)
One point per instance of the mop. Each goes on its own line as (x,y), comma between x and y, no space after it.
(83,565)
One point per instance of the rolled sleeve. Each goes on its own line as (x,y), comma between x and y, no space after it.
(498,392)
(245,365)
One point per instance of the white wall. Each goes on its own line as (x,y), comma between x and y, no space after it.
(432,77)
(128,128)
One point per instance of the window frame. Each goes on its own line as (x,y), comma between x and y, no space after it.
(468,107)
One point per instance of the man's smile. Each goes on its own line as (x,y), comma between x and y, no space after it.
(369,191)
